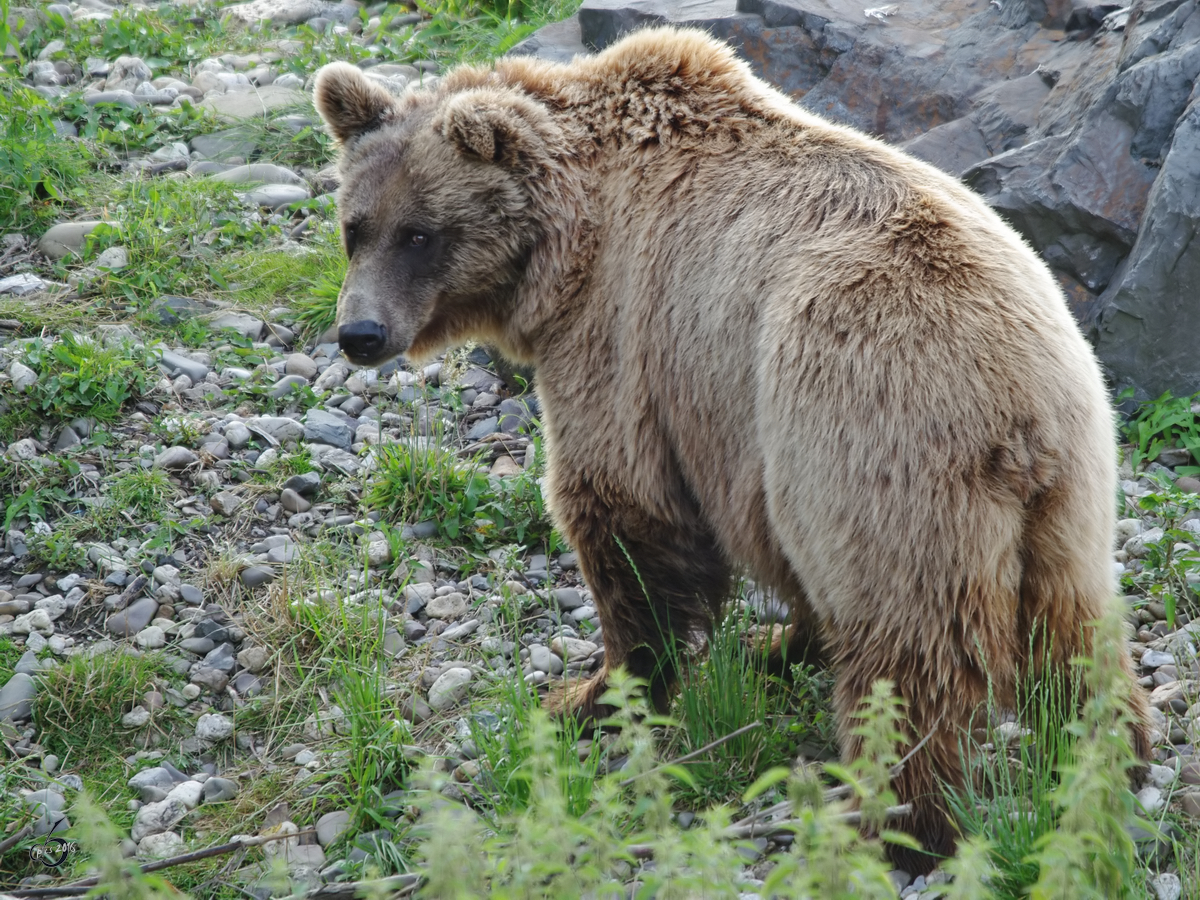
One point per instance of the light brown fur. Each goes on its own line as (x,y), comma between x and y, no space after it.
(762,340)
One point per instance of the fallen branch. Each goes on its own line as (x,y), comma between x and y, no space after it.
(10,842)
(693,754)
(835,793)
(77,888)
(735,832)
(403,884)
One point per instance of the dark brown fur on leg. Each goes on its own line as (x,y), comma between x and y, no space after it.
(656,585)
(940,699)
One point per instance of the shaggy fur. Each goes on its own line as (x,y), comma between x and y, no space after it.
(761,340)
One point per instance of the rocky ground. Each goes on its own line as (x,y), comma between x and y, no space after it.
(247,524)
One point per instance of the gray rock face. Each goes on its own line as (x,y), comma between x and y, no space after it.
(1147,324)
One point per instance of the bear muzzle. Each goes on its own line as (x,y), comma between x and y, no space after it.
(364,341)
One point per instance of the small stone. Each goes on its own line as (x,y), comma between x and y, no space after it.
(127,73)
(190,691)
(379,553)
(174,459)
(447,608)
(213,679)
(67,238)
(23,377)
(218,790)
(133,618)
(305,484)
(214,727)
(198,645)
(1191,803)
(300,364)
(37,620)
(566,599)
(136,717)
(275,196)
(256,575)
(504,467)
(160,846)
(187,793)
(1152,659)
(253,659)
(1151,799)
(151,638)
(155,818)
(449,688)
(1166,886)
(543,660)
(44,801)
(324,427)
(572,649)
(246,684)
(237,436)
(225,503)
(293,502)
(331,825)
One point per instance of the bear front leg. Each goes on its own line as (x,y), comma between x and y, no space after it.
(656,584)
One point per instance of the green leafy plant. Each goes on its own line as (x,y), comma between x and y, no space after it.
(36,489)
(503,740)
(1170,570)
(1162,423)
(41,173)
(79,376)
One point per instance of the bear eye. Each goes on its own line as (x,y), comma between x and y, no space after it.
(418,240)
(350,233)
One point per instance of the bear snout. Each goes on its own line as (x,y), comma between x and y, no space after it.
(363,341)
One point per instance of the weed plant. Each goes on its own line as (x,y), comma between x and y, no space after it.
(1159,424)
(1170,571)
(503,740)
(80,376)
(42,175)
(416,481)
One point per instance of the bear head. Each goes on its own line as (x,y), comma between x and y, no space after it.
(435,207)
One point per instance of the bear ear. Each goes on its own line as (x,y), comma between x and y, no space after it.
(500,126)
(349,102)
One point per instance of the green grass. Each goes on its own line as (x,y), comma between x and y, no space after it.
(726,691)
(415,483)
(78,711)
(42,176)
(1008,797)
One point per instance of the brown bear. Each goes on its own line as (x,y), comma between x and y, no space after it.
(761,340)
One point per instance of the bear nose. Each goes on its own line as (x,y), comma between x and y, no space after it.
(364,339)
